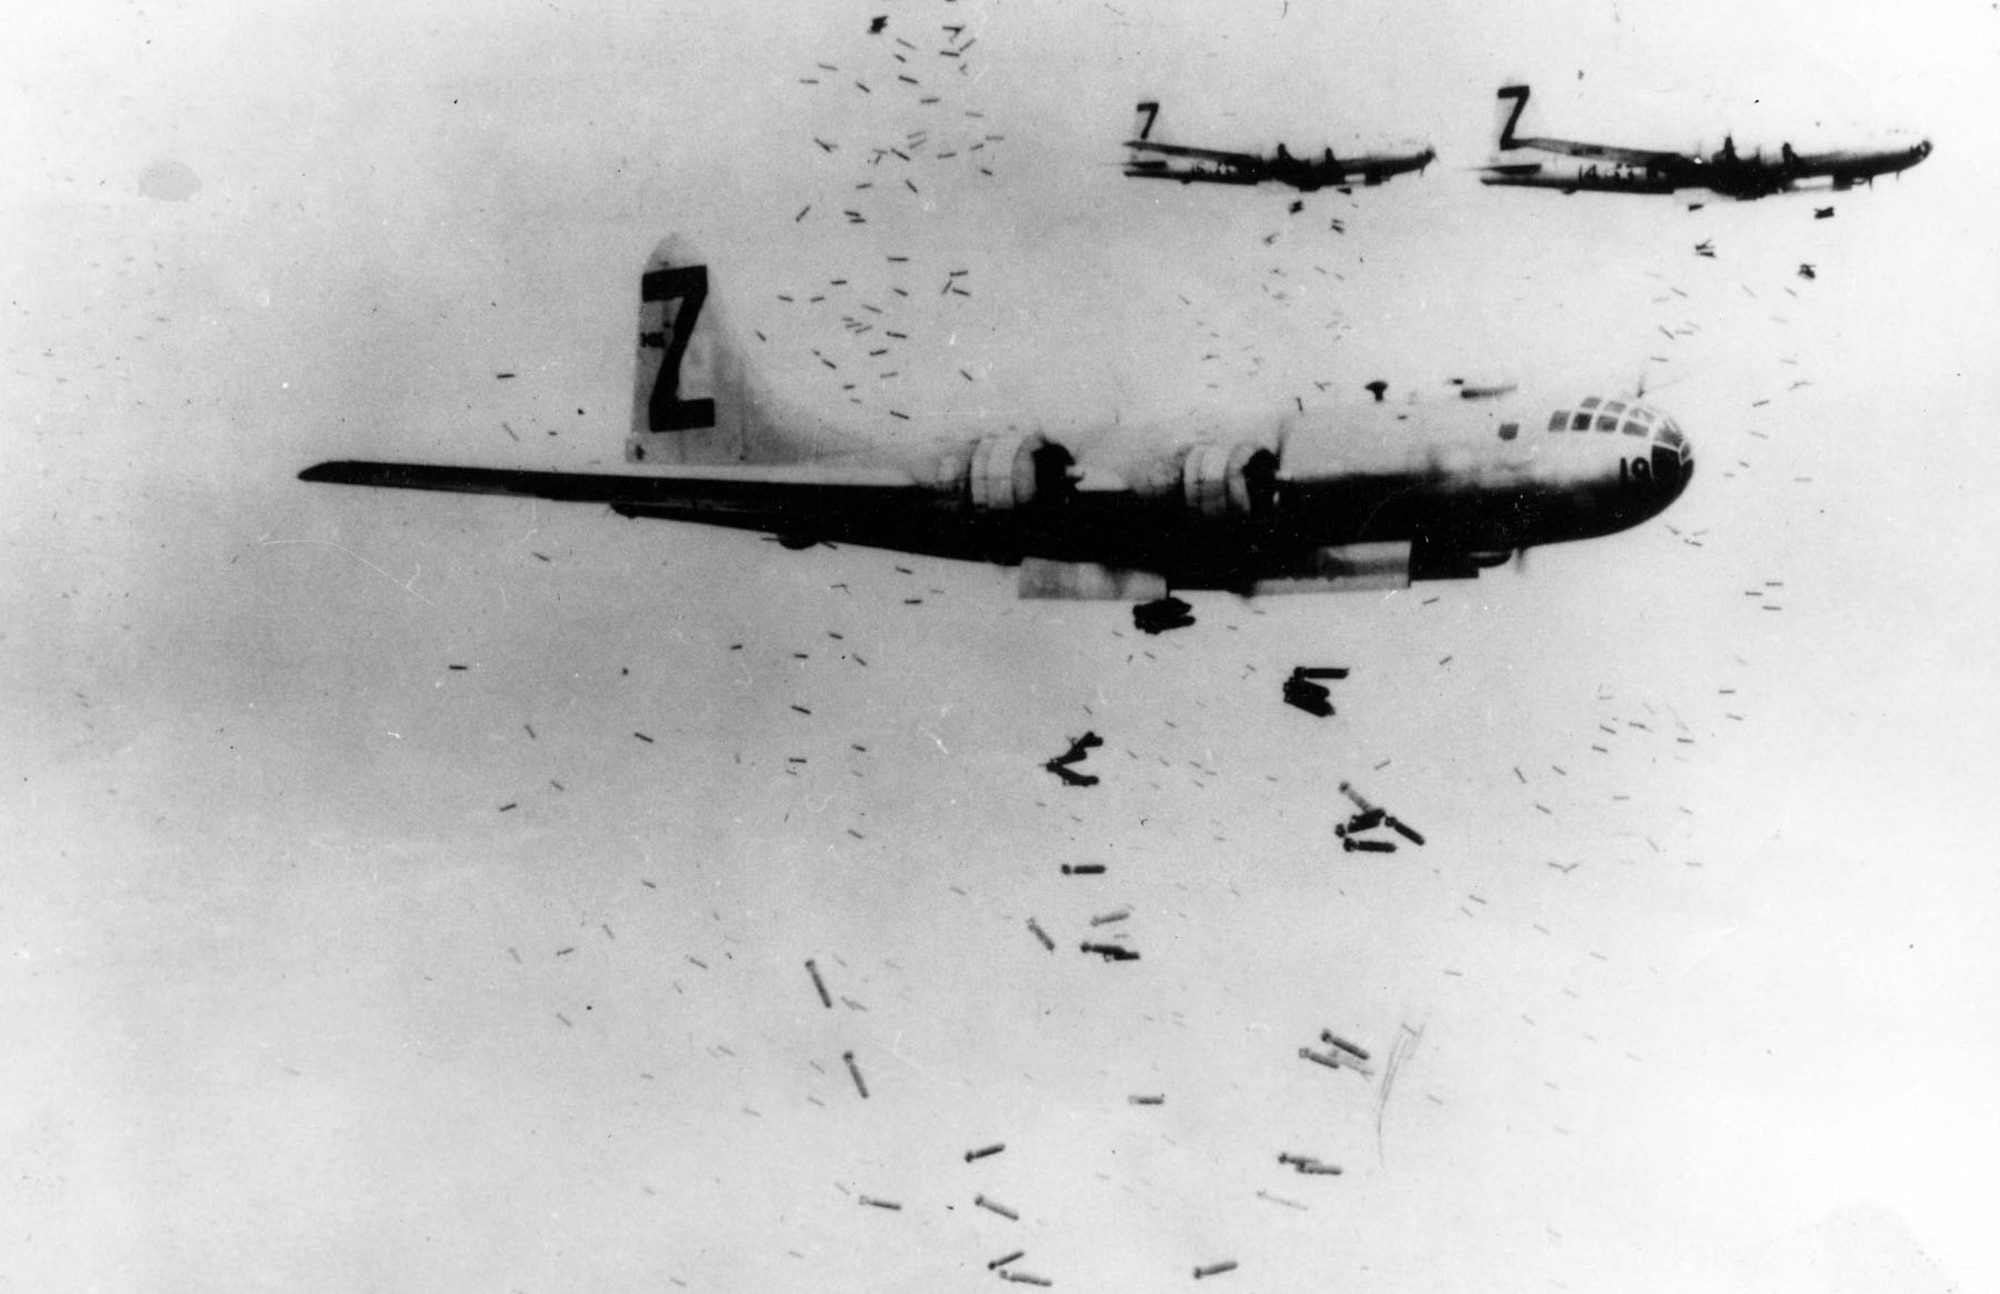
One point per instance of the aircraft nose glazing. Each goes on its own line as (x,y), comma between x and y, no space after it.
(1671,470)
(1672,460)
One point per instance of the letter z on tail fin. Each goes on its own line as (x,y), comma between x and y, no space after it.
(695,397)
(1508,118)
(687,364)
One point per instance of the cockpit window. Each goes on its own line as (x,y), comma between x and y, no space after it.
(1558,419)
(1633,428)
(1643,415)
(1671,437)
(1581,422)
(1589,403)
(1615,406)
(1607,422)
(1509,430)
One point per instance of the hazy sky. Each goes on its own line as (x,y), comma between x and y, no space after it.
(334,965)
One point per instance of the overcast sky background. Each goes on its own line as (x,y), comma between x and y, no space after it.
(294,1002)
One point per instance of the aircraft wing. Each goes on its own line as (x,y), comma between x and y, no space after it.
(897,509)
(1217,155)
(714,488)
(872,506)
(885,506)
(1373,168)
(1656,159)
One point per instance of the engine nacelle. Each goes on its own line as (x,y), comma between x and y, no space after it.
(1229,481)
(1014,471)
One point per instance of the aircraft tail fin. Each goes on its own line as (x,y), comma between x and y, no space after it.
(695,398)
(1506,118)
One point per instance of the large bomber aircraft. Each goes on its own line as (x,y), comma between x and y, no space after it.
(1218,166)
(1607,168)
(1372,498)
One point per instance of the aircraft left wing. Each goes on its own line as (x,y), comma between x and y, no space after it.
(723,487)
(1205,154)
(885,506)
(804,502)
(1641,157)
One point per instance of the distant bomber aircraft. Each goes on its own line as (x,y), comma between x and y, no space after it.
(1214,166)
(1606,168)
(1370,497)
